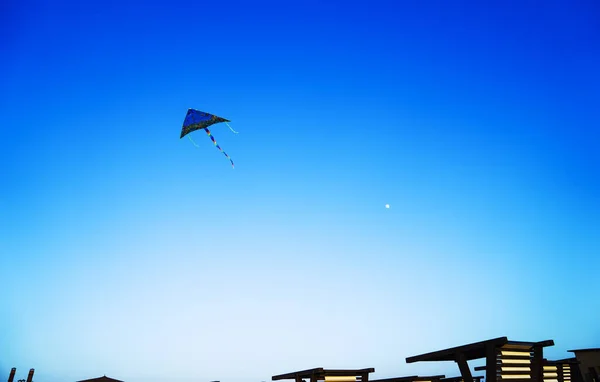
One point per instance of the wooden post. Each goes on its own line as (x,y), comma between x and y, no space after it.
(491,357)
(537,367)
(464,367)
(11,376)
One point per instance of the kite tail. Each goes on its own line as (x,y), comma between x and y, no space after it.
(231,128)
(219,147)
(191,140)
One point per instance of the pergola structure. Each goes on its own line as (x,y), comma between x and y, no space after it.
(513,361)
(327,375)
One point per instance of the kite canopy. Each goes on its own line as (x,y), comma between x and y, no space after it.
(195,120)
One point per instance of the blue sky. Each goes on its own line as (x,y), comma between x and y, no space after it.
(128,252)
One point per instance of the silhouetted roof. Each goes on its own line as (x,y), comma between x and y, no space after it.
(412,378)
(585,350)
(101,379)
(321,373)
(475,350)
(397,379)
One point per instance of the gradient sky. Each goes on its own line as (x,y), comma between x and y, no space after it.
(128,252)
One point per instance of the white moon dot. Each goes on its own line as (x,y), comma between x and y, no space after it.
(387,206)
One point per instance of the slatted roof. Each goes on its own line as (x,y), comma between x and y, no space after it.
(475,350)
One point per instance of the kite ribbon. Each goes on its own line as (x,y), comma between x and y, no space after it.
(191,140)
(219,147)
(231,128)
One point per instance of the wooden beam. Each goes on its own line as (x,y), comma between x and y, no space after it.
(584,350)
(397,379)
(545,343)
(349,372)
(491,353)
(561,373)
(463,366)
(320,373)
(461,360)
(537,368)
(475,350)
(307,373)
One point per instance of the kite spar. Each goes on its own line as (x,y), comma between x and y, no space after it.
(196,120)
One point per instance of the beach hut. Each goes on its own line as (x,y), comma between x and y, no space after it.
(505,361)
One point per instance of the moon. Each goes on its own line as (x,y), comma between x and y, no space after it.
(387,206)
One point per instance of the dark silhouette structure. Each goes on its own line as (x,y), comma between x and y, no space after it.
(505,361)
(566,370)
(589,363)
(320,374)
(101,379)
(412,378)
(13,371)
(513,361)
(30,375)
(11,376)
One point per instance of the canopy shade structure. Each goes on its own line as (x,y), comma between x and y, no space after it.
(506,361)
(327,375)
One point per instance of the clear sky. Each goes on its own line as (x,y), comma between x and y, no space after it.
(128,252)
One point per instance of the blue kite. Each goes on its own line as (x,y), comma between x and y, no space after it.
(196,120)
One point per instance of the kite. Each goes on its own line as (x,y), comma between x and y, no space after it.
(196,120)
